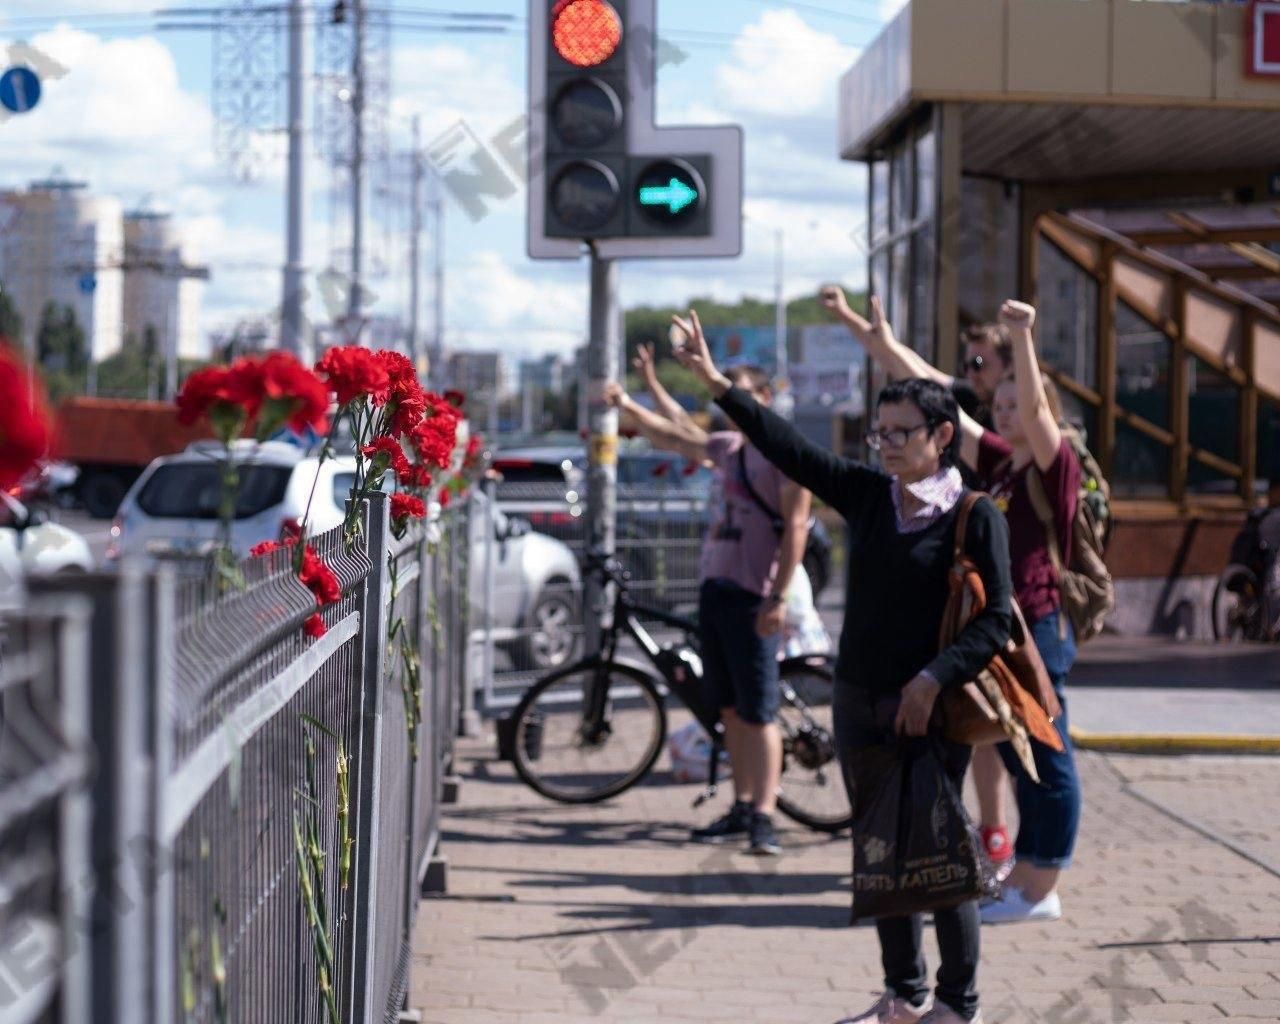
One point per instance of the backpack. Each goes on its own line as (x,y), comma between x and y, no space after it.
(1094,489)
(1088,592)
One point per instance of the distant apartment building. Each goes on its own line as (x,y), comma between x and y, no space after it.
(118,272)
(546,375)
(480,373)
(160,290)
(60,244)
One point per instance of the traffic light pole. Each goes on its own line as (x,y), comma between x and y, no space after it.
(603,352)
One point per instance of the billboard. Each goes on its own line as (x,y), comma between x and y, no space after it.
(736,346)
(830,368)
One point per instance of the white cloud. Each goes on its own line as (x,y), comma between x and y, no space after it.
(537,308)
(118,119)
(782,66)
(446,84)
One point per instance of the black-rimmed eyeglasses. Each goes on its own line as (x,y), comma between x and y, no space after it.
(896,438)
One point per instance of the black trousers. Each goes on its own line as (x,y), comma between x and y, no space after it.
(858,725)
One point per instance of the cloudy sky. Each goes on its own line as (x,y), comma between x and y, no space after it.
(134,116)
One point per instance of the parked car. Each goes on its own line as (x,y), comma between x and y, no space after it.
(661,508)
(171,515)
(32,545)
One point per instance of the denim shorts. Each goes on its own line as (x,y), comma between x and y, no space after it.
(739,668)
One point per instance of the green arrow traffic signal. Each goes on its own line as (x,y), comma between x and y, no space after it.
(675,195)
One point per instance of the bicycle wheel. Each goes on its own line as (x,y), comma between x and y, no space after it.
(812,790)
(566,757)
(1237,605)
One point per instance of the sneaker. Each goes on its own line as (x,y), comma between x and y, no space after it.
(943,1014)
(1012,907)
(762,839)
(999,851)
(736,823)
(889,1009)
(996,842)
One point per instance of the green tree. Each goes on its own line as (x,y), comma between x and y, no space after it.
(61,352)
(10,320)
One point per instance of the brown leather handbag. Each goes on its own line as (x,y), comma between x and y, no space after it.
(1013,697)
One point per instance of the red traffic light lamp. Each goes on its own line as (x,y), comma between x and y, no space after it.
(585,32)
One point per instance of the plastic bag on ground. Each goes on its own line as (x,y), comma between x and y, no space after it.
(689,749)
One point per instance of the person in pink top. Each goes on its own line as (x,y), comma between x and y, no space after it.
(755,543)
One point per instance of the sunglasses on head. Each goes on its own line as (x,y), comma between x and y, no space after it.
(973,365)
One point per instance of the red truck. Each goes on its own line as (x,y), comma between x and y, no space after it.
(112,440)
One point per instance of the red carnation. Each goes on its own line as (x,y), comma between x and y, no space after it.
(407,506)
(25,434)
(265,548)
(396,460)
(317,577)
(314,627)
(455,398)
(355,373)
(296,391)
(444,497)
(209,392)
(434,448)
(419,477)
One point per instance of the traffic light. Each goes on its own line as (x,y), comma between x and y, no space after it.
(600,170)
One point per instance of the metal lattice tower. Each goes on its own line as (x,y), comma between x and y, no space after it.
(248,96)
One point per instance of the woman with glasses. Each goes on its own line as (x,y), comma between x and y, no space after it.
(902,524)
(1026,450)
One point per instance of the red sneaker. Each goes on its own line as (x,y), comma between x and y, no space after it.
(996,842)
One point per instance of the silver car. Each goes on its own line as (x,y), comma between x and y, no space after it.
(170,515)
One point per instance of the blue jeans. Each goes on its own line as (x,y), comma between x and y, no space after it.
(1049,813)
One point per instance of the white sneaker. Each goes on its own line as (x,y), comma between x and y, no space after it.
(889,1009)
(1013,907)
(942,1014)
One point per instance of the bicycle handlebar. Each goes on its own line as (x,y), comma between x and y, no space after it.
(606,566)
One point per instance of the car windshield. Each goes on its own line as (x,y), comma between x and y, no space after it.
(516,470)
(191,490)
(666,471)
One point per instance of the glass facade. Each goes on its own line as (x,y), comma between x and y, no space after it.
(903,198)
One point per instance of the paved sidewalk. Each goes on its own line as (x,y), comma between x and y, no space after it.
(559,914)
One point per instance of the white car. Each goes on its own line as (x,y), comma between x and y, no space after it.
(31,545)
(171,515)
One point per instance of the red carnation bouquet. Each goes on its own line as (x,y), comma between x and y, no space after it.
(25,432)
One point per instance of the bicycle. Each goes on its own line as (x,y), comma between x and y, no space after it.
(591,730)
(1242,607)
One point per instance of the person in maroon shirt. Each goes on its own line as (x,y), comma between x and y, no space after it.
(1027,440)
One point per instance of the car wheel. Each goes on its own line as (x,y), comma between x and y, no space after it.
(552,630)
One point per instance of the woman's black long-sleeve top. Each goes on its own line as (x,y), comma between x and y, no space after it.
(897,588)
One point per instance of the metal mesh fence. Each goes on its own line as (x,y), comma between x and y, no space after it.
(44,852)
(264,803)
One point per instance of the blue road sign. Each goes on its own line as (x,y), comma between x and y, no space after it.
(19,90)
(87,283)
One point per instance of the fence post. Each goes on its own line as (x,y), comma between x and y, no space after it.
(373,643)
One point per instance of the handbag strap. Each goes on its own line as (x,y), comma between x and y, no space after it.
(775,520)
(967,502)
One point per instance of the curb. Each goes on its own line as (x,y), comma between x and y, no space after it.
(1173,743)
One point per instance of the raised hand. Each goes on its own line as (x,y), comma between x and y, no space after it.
(615,395)
(1017,316)
(696,356)
(873,332)
(643,362)
(832,298)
